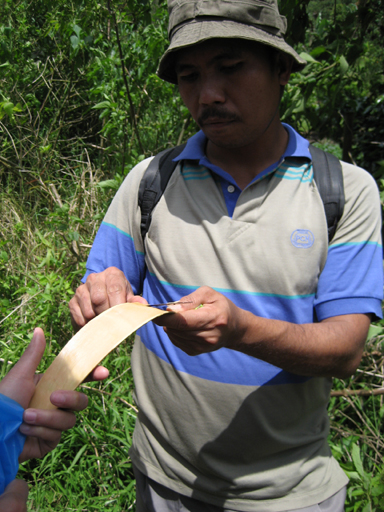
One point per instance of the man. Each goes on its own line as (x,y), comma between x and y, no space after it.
(41,429)
(233,391)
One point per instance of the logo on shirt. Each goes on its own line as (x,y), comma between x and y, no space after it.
(302,238)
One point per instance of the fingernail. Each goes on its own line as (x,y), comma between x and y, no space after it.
(175,308)
(30,416)
(58,399)
(25,429)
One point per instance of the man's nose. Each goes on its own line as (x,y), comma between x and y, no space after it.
(211,91)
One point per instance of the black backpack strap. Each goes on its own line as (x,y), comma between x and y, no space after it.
(153,184)
(328,176)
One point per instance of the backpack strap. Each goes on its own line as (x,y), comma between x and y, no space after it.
(328,176)
(153,184)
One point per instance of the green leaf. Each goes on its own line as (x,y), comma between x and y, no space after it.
(103,104)
(377,490)
(365,477)
(352,475)
(307,57)
(318,51)
(374,330)
(7,106)
(343,64)
(78,455)
(113,184)
(45,149)
(300,106)
(74,42)
(77,30)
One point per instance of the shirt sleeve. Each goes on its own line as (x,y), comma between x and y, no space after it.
(118,242)
(352,279)
(11,440)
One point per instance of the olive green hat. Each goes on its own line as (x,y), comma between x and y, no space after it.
(194,21)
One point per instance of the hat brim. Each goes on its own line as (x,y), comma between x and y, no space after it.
(198,31)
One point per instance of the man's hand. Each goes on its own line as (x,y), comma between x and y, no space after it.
(206,323)
(14,498)
(100,292)
(330,348)
(42,428)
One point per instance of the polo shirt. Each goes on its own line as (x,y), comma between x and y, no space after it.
(224,427)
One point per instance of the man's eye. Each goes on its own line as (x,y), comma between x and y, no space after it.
(188,78)
(231,68)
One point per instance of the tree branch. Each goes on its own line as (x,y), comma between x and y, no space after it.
(131,106)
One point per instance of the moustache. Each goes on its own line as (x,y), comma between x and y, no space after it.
(216,113)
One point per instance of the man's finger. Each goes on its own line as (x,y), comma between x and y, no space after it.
(99,373)
(79,317)
(118,288)
(15,497)
(108,288)
(73,400)
(137,298)
(53,419)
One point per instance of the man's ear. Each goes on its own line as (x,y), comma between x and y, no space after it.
(284,67)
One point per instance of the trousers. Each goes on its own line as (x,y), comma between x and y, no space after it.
(154,497)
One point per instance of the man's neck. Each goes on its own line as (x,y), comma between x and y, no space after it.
(245,163)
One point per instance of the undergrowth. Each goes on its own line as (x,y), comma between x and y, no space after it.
(79,107)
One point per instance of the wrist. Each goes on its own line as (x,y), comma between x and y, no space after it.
(243,330)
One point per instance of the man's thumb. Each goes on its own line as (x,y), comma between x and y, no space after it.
(18,383)
(29,361)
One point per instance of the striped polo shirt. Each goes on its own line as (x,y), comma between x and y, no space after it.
(225,427)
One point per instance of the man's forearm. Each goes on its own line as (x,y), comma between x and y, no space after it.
(331,348)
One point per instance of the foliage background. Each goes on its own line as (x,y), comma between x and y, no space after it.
(80,105)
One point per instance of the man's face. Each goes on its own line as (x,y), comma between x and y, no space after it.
(231,89)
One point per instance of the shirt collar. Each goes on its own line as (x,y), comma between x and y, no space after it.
(195,148)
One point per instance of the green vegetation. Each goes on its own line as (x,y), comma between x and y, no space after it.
(80,105)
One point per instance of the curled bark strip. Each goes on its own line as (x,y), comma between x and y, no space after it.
(88,347)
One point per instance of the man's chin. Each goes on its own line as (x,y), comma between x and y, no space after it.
(224,141)
(222,135)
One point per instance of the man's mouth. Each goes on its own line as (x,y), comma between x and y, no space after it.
(217,121)
(214,116)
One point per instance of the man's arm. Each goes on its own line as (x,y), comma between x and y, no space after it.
(331,348)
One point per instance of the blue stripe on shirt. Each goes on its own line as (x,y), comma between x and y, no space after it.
(223,365)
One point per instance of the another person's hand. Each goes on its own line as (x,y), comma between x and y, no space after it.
(208,322)
(14,498)
(100,292)
(42,428)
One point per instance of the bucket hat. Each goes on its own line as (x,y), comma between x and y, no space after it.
(194,21)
